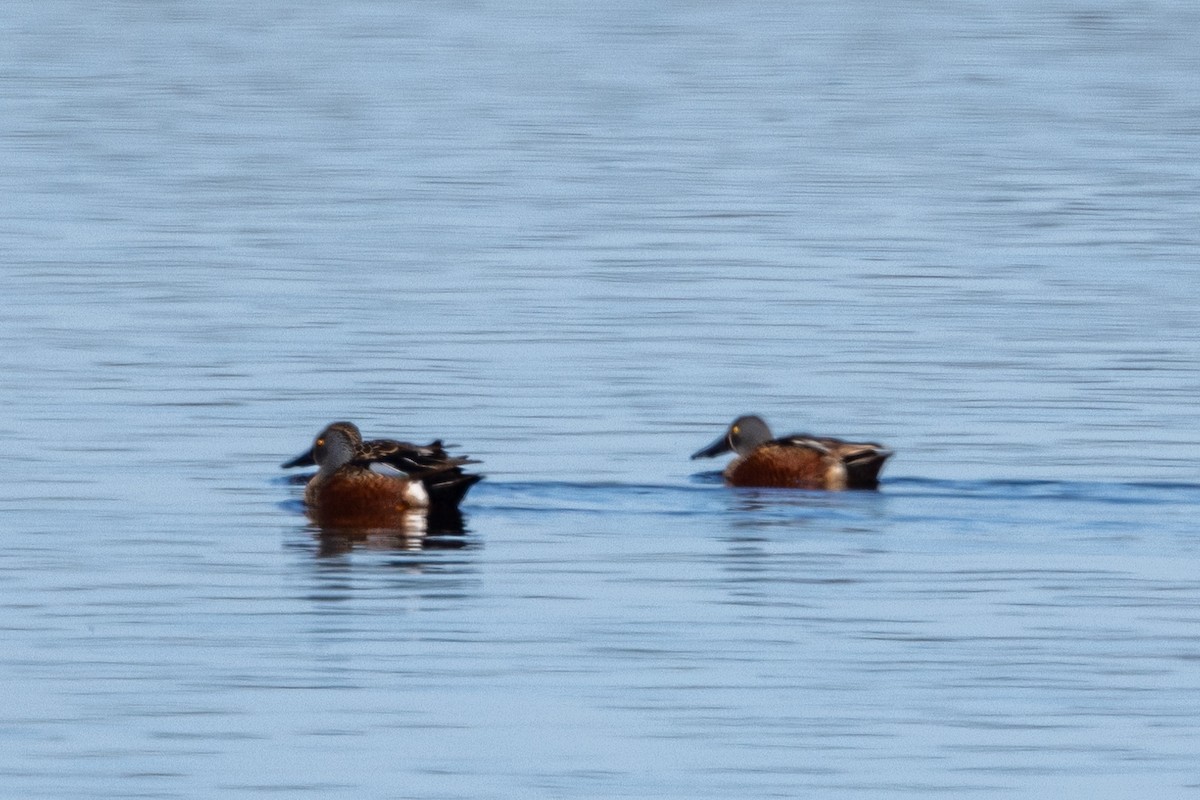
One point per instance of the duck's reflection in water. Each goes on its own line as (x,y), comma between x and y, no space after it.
(411,530)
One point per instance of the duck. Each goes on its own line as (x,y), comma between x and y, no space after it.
(358,485)
(797,461)
(444,480)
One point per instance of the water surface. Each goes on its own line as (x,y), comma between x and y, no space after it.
(577,242)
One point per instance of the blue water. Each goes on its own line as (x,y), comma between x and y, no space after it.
(577,241)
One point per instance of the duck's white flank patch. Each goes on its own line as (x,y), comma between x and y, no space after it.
(415,495)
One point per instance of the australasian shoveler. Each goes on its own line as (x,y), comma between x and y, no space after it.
(363,482)
(798,461)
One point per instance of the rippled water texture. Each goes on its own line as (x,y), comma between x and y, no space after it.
(577,241)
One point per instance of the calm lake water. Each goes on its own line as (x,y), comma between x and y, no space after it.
(577,241)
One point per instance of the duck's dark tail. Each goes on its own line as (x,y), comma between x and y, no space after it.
(863,466)
(447,489)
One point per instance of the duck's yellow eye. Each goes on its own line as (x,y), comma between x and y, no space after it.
(320,442)
(735,429)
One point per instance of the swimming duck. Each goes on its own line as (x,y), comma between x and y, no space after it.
(798,461)
(355,487)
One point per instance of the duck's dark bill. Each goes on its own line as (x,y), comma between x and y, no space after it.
(721,445)
(305,459)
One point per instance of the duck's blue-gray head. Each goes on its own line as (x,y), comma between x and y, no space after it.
(309,456)
(335,446)
(746,433)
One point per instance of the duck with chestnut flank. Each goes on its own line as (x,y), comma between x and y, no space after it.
(798,461)
(361,480)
